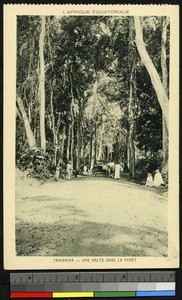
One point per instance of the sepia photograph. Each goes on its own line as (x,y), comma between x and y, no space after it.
(93,108)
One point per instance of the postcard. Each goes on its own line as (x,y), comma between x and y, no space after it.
(91,136)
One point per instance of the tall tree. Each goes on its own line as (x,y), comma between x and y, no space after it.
(29,134)
(72,112)
(27,77)
(154,75)
(42,85)
(131,117)
(132,100)
(165,140)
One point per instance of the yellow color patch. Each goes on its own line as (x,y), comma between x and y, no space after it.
(73,294)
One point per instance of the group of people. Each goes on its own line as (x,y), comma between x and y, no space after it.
(109,169)
(115,169)
(156,181)
(65,171)
(112,170)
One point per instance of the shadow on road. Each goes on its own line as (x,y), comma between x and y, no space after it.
(88,239)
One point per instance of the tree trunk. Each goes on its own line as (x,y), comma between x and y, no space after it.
(101,140)
(163,55)
(131,147)
(95,145)
(78,149)
(82,146)
(18,114)
(72,121)
(94,113)
(79,136)
(165,147)
(57,140)
(52,115)
(155,78)
(29,134)
(42,86)
(68,143)
(62,143)
(92,152)
(165,138)
(72,143)
(132,101)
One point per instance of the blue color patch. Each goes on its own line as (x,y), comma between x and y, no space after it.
(154,293)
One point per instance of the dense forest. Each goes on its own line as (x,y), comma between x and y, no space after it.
(92,89)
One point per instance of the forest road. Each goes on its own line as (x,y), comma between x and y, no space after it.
(90,217)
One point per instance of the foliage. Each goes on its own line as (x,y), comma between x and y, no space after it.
(148,129)
(147,165)
(36,163)
(81,53)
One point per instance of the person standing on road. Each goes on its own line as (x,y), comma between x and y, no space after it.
(57,173)
(85,170)
(68,170)
(117,171)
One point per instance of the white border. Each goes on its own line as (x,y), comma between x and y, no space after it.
(11,261)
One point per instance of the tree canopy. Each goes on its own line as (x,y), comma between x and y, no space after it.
(89,89)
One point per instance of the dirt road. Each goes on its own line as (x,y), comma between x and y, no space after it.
(90,217)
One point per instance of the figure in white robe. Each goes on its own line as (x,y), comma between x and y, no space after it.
(57,173)
(85,170)
(158,178)
(149,180)
(117,171)
(68,170)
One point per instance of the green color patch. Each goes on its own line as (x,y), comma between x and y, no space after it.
(115,294)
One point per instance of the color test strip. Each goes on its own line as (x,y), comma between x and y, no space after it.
(73,295)
(105,294)
(30,295)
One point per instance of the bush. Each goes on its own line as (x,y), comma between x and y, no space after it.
(145,166)
(36,163)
